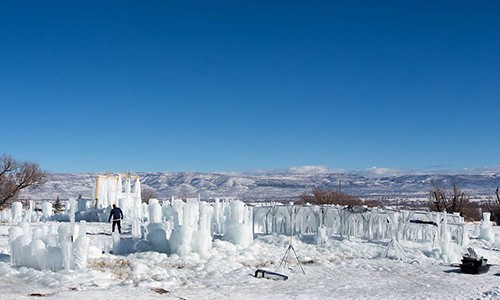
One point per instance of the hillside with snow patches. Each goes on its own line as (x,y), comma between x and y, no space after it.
(270,187)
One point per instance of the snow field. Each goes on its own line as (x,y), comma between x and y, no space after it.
(180,259)
(338,269)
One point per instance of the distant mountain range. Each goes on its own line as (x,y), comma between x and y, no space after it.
(273,187)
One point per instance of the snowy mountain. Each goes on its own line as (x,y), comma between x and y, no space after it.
(268,187)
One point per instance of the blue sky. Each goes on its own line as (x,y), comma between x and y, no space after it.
(217,86)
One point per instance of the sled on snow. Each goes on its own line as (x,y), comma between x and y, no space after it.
(260,273)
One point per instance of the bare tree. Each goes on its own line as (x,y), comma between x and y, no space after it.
(17,175)
(438,199)
(495,207)
(456,201)
(58,204)
(148,193)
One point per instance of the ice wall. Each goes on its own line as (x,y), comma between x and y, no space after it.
(373,224)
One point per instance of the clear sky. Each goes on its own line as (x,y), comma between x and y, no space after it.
(243,85)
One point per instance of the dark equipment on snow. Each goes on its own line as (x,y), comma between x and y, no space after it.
(356,209)
(269,275)
(424,222)
(473,264)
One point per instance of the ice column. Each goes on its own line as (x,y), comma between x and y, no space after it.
(218,217)
(29,213)
(155,211)
(136,227)
(321,236)
(157,236)
(239,226)
(119,188)
(17,212)
(177,212)
(15,255)
(81,247)
(6,215)
(137,188)
(65,236)
(157,233)
(124,201)
(46,211)
(102,193)
(445,239)
(182,235)
(202,238)
(485,229)
(136,201)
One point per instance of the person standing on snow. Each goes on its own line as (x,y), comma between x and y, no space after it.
(117,214)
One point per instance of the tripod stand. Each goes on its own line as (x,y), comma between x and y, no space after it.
(400,253)
(290,247)
(285,258)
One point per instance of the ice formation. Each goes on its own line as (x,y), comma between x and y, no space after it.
(155,211)
(109,190)
(485,230)
(183,227)
(321,236)
(176,227)
(194,233)
(46,211)
(6,215)
(239,227)
(81,247)
(44,248)
(443,231)
(17,212)
(218,218)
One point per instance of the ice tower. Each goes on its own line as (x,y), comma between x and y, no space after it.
(109,190)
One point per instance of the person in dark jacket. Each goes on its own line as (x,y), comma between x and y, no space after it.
(117,215)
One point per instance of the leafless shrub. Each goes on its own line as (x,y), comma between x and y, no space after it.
(148,193)
(58,206)
(319,197)
(454,201)
(494,207)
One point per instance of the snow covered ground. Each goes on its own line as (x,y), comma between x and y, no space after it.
(339,269)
